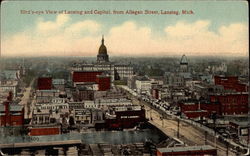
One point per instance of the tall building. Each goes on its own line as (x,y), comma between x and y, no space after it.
(115,71)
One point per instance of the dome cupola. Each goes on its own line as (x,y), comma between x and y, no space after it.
(102,53)
(102,49)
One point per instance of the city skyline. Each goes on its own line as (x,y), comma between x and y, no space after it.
(213,28)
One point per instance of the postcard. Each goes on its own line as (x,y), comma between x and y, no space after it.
(124,78)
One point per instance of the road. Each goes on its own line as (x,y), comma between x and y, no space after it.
(27,102)
(188,133)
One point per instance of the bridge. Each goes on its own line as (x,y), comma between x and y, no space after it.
(187,131)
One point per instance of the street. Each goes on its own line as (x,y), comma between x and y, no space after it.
(27,101)
(188,133)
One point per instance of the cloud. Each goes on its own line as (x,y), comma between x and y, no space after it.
(82,38)
(87,25)
(196,39)
(54,38)
(46,26)
(183,37)
(184,30)
(129,38)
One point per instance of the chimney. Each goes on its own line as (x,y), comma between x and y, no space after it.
(7,109)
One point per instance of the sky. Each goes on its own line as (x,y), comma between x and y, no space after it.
(214,28)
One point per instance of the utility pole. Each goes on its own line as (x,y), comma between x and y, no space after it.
(215,140)
(248,137)
(162,119)
(227,148)
(178,128)
(214,117)
(150,109)
(205,137)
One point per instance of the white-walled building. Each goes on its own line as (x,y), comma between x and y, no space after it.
(102,103)
(90,104)
(143,85)
(45,112)
(46,96)
(59,84)
(10,86)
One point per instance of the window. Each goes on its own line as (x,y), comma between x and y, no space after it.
(40,119)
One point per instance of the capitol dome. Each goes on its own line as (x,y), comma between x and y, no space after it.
(102,49)
(102,53)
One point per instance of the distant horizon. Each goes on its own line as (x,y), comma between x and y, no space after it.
(136,56)
(218,28)
(173,56)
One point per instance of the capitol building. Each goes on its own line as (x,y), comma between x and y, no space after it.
(102,64)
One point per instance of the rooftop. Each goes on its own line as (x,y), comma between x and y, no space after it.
(127,108)
(9,74)
(187,148)
(13,108)
(52,90)
(58,81)
(143,78)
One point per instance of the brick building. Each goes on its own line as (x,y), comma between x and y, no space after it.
(230,83)
(95,77)
(222,104)
(44,83)
(231,103)
(103,82)
(11,114)
(45,130)
(231,100)
(236,101)
(192,109)
(125,117)
(85,76)
(197,114)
